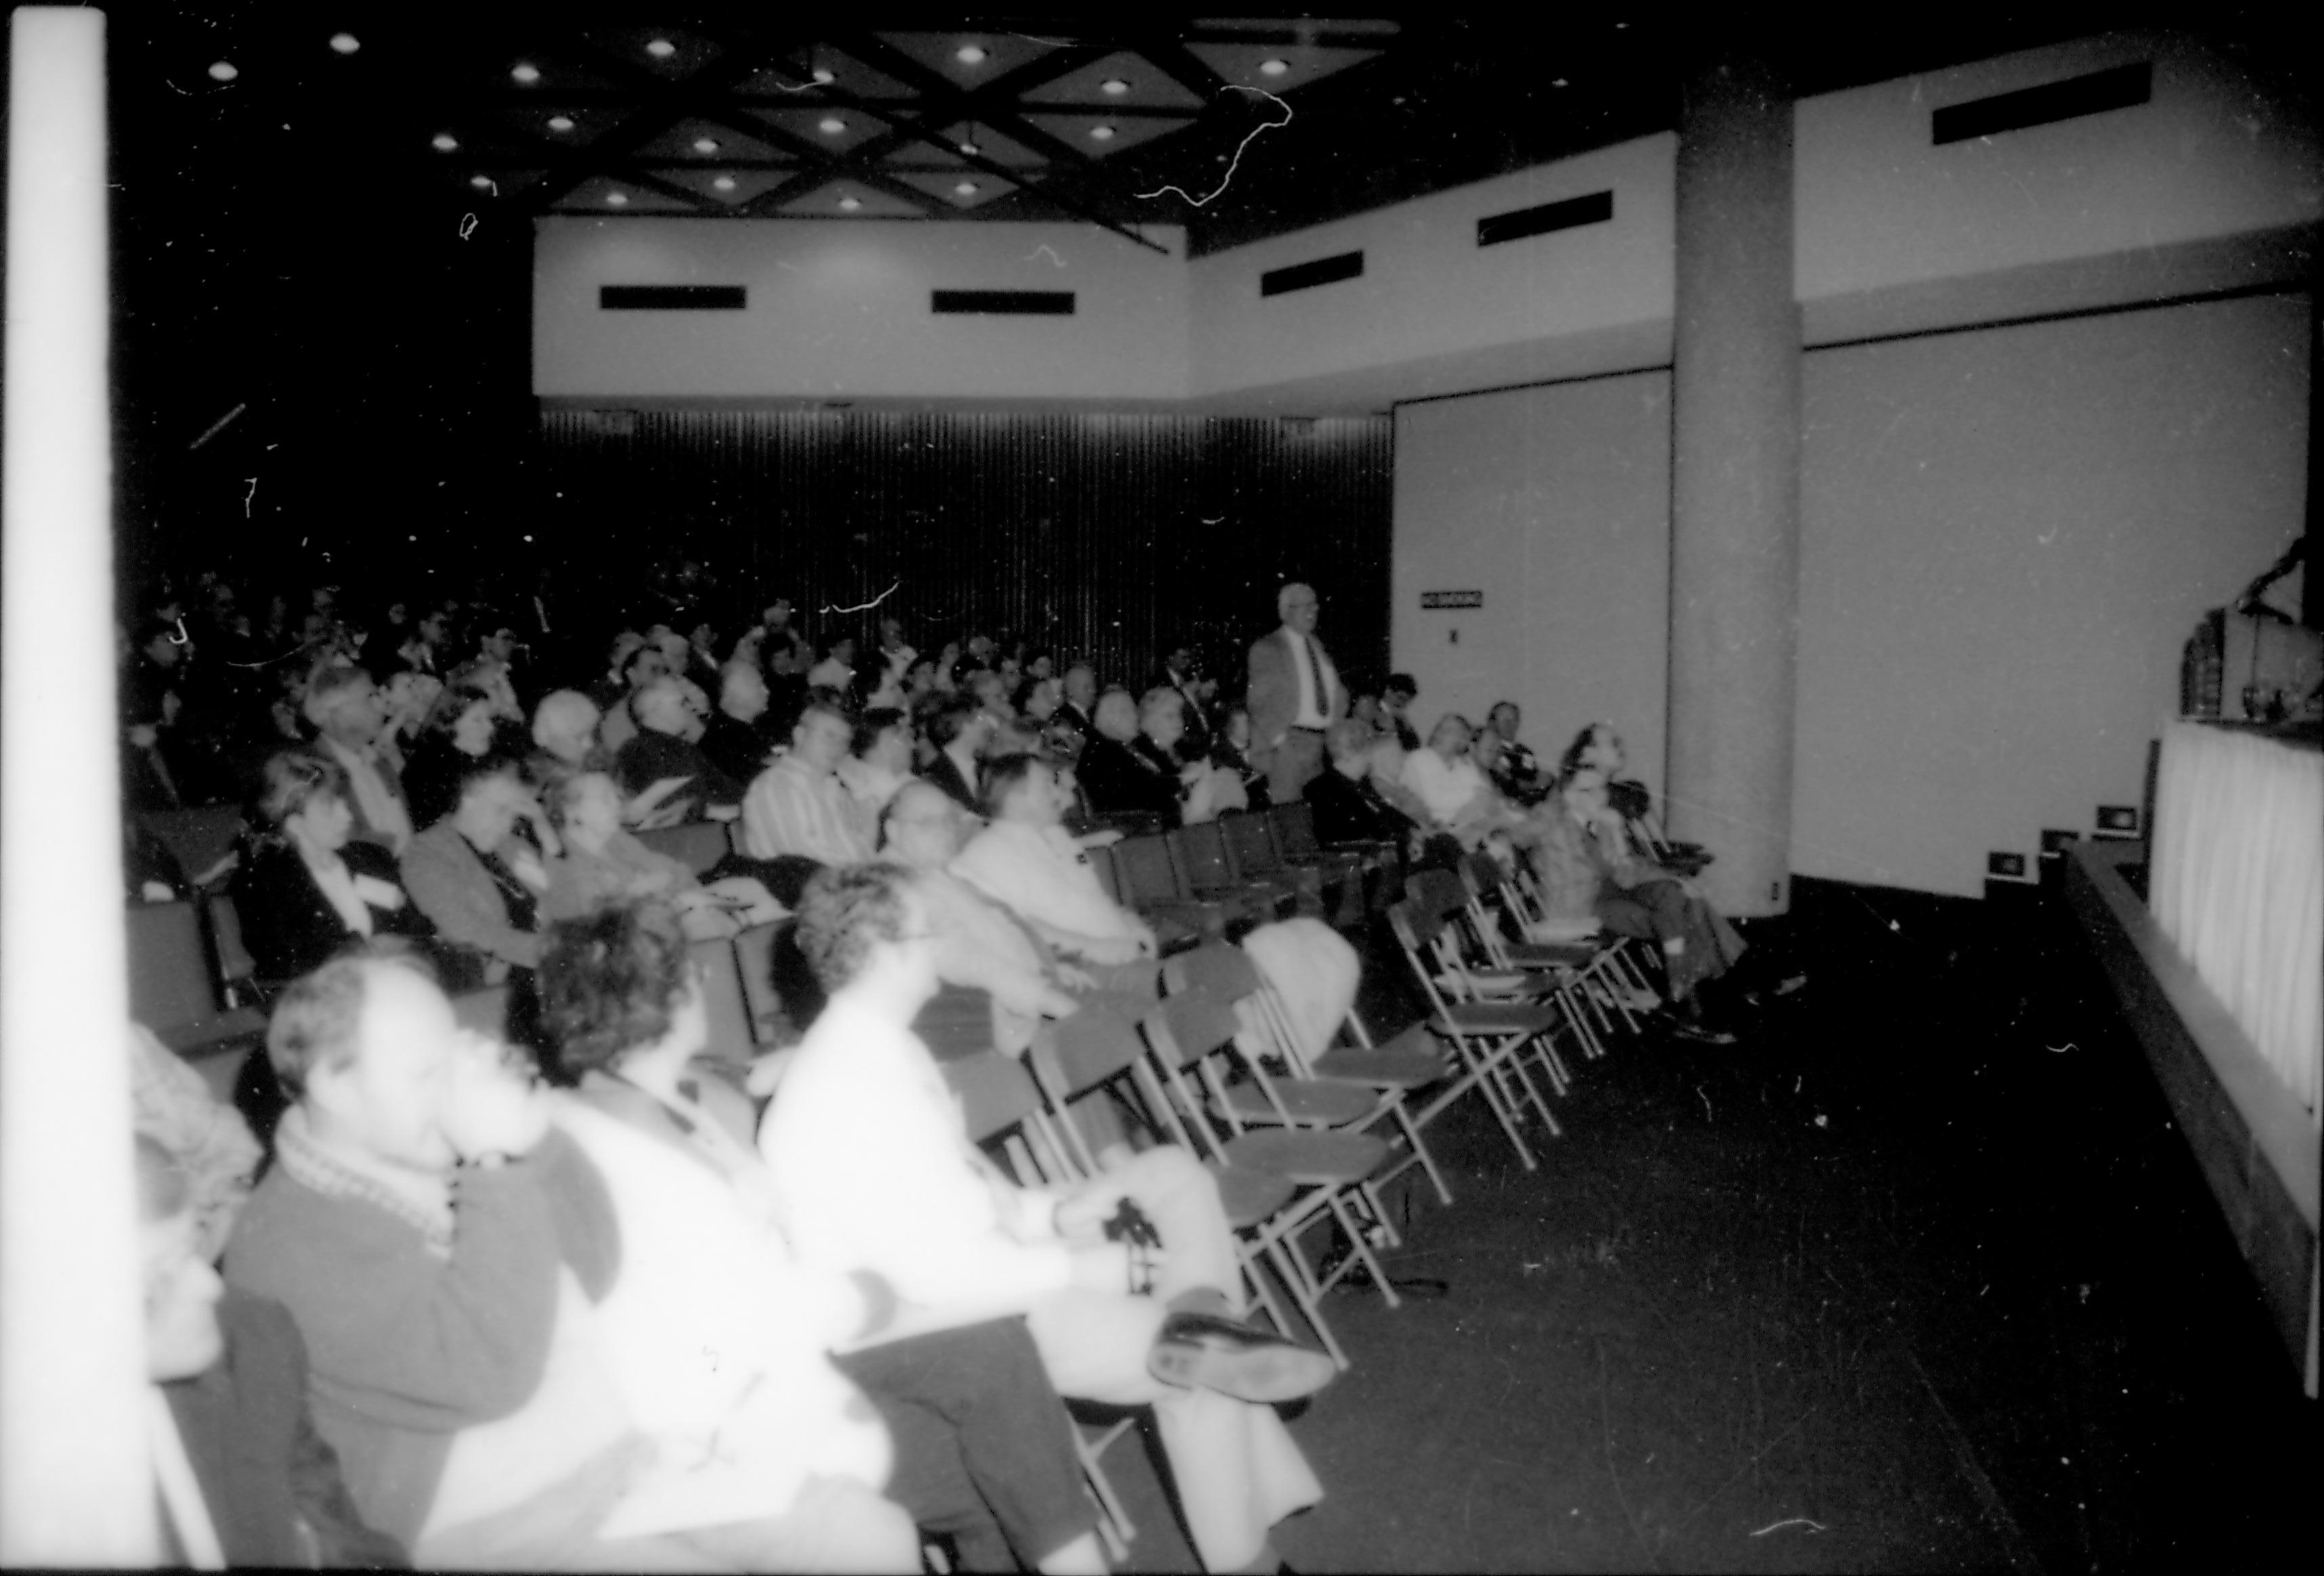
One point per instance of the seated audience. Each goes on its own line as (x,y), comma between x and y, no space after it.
(876,1174)
(599,864)
(208,1142)
(1600,747)
(798,806)
(445,1250)
(348,715)
(1026,861)
(1079,707)
(245,1479)
(410,697)
(564,727)
(979,943)
(1231,751)
(879,760)
(1119,779)
(665,773)
(459,731)
(1449,784)
(1516,773)
(1348,806)
(1588,873)
(836,671)
(1396,697)
(982,1452)
(645,663)
(476,880)
(737,738)
(961,732)
(304,889)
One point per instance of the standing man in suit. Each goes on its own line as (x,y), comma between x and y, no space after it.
(1294,695)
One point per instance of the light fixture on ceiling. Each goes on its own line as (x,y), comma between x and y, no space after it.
(705,144)
(970,149)
(443,142)
(1559,82)
(619,199)
(481,183)
(1274,68)
(970,54)
(966,189)
(724,183)
(824,74)
(831,125)
(1114,87)
(526,72)
(850,204)
(347,43)
(1100,134)
(660,49)
(560,122)
(224,71)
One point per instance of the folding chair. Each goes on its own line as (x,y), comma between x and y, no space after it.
(1252,856)
(1000,1104)
(173,983)
(1303,1098)
(1440,892)
(731,1043)
(1185,1036)
(754,956)
(1486,1036)
(1150,884)
(197,837)
(1568,967)
(1209,874)
(1613,976)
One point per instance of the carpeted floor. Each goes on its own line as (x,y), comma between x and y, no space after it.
(1918,1277)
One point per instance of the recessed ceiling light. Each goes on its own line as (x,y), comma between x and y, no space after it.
(1100,134)
(831,125)
(560,122)
(526,72)
(705,144)
(822,74)
(347,43)
(970,54)
(224,71)
(617,200)
(851,203)
(1273,68)
(444,141)
(1560,82)
(966,189)
(724,183)
(660,49)
(481,183)
(1114,87)
(970,149)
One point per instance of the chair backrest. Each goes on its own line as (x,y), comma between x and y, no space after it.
(198,837)
(485,1011)
(1295,829)
(1182,1030)
(956,1023)
(995,1093)
(696,844)
(1219,968)
(1147,871)
(1109,877)
(1249,843)
(722,989)
(1202,852)
(171,983)
(1436,891)
(1072,1056)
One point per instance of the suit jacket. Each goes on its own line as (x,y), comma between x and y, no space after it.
(1274,693)
(288,926)
(1121,779)
(455,890)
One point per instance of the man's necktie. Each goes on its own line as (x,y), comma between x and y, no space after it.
(1315,672)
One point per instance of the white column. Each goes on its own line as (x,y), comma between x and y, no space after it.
(75,1486)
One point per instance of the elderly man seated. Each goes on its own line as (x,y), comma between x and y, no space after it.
(961,732)
(349,716)
(1028,862)
(879,761)
(798,806)
(443,1251)
(877,1173)
(1455,792)
(979,943)
(661,764)
(736,738)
